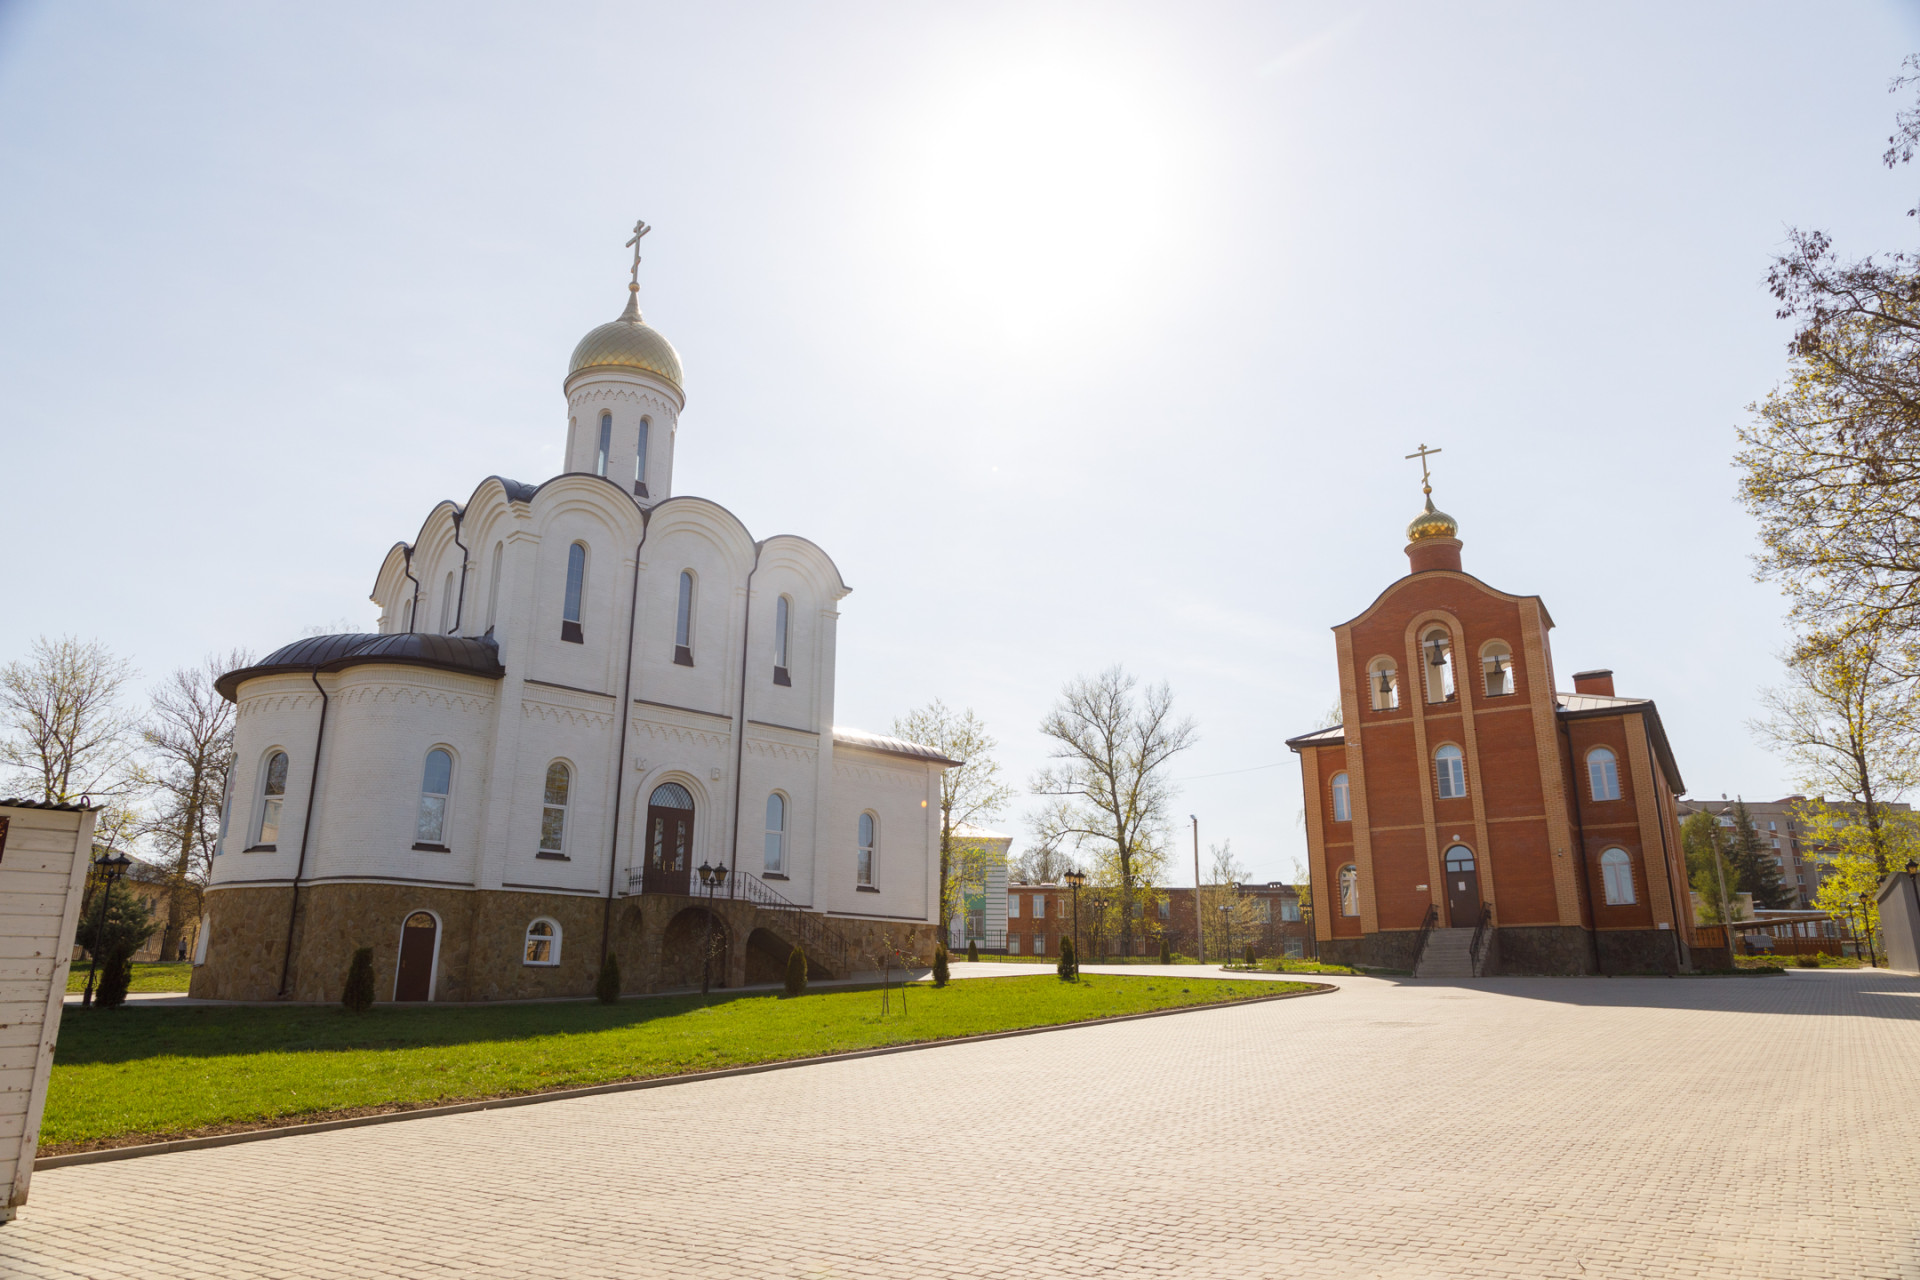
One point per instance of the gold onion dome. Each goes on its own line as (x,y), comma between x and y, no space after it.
(1432,524)
(628,343)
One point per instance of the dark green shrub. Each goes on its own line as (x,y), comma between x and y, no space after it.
(1808,962)
(1069,965)
(940,970)
(1249,955)
(973,950)
(357,996)
(116,975)
(797,973)
(1166,952)
(606,989)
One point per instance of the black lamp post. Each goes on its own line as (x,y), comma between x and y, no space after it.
(1076,878)
(115,865)
(712,878)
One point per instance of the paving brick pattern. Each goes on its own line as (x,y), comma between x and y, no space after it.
(1745,1127)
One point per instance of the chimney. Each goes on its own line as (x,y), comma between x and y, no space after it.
(1598,681)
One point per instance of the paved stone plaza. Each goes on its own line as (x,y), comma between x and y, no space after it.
(1742,1127)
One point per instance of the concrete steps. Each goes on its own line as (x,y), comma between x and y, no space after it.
(1449,954)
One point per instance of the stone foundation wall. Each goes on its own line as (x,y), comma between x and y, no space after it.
(482,940)
(1392,949)
(1639,951)
(1547,950)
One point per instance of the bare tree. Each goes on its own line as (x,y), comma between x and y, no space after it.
(1042,864)
(1109,788)
(1230,930)
(64,732)
(189,739)
(1849,725)
(970,791)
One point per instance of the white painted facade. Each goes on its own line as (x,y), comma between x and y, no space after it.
(495,569)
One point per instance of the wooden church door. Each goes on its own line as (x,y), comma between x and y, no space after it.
(669,837)
(414,981)
(1463,889)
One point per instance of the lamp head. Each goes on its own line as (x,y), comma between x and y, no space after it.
(720,874)
(706,874)
(1912,866)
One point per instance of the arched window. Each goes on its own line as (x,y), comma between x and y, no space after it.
(576,589)
(1603,775)
(1450,772)
(430,831)
(543,943)
(1616,874)
(606,444)
(493,583)
(776,856)
(1383,683)
(447,618)
(1349,890)
(863,862)
(553,811)
(226,812)
(1436,655)
(640,461)
(273,795)
(683,621)
(781,613)
(1496,663)
(406,616)
(1342,799)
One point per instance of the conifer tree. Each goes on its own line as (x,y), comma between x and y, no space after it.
(1166,951)
(1069,964)
(797,973)
(606,989)
(1752,862)
(357,995)
(973,950)
(940,970)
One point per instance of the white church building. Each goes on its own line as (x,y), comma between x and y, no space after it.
(580,694)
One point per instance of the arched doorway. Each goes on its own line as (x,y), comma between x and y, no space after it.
(1463,888)
(693,939)
(669,841)
(419,938)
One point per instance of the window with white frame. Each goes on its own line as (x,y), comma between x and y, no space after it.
(553,810)
(1013,906)
(1383,684)
(782,609)
(1496,665)
(543,943)
(1342,799)
(1166,909)
(431,826)
(1616,875)
(576,594)
(1290,909)
(683,621)
(1039,944)
(776,851)
(1436,656)
(1603,774)
(1349,890)
(640,461)
(447,618)
(493,583)
(1039,906)
(406,616)
(1263,910)
(1013,944)
(863,859)
(273,797)
(1450,772)
(606,444)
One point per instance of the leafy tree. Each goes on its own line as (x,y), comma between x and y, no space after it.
(1068,966)
(64,732)
(1849,853)
(1700,841)
(941,971)
(606,988)
(357,995)
(1831,463)
(189,739)
(969,792)
(796,972)
(1108,787)
(1751,862)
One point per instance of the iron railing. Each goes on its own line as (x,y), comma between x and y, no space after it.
(1426,930)
(806,929)
(1482,935)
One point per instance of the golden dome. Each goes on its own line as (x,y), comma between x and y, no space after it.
(1432,524)
(628,343)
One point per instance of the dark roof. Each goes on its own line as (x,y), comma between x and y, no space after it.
(1320,738)
(45,804)
(462,654)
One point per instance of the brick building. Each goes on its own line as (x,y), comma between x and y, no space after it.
(1461,786)
(1038,915)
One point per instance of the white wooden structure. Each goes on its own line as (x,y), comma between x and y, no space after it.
(44,851)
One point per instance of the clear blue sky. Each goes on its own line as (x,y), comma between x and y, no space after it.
(1077,334)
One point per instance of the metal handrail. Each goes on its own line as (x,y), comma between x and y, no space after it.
(812,933)
(1482,934)
(1426,930)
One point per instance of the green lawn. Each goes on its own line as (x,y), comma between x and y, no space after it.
(1291,964)
(157,975)
(159,1073)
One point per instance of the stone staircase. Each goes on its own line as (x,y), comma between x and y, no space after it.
(1449,954)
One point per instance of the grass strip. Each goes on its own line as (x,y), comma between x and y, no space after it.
(148,975)
(144,1075)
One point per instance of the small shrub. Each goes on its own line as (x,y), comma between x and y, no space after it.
(1166,952)
(116,975)
(1069,964)
(973,950)
(940,969)
(1249,955)
(1808,962)
(797,973)
(357,995)
(606,988)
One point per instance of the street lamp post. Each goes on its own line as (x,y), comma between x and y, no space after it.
(115,865)
(1199,925)
(1076,878)
(712,878)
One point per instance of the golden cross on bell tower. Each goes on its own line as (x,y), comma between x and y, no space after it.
(639,229)
(1423,453)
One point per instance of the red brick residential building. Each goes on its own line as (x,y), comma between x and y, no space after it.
(1038,915)
(1461,785)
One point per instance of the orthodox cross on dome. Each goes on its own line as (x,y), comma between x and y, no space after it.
(1426,481)
(640,229)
